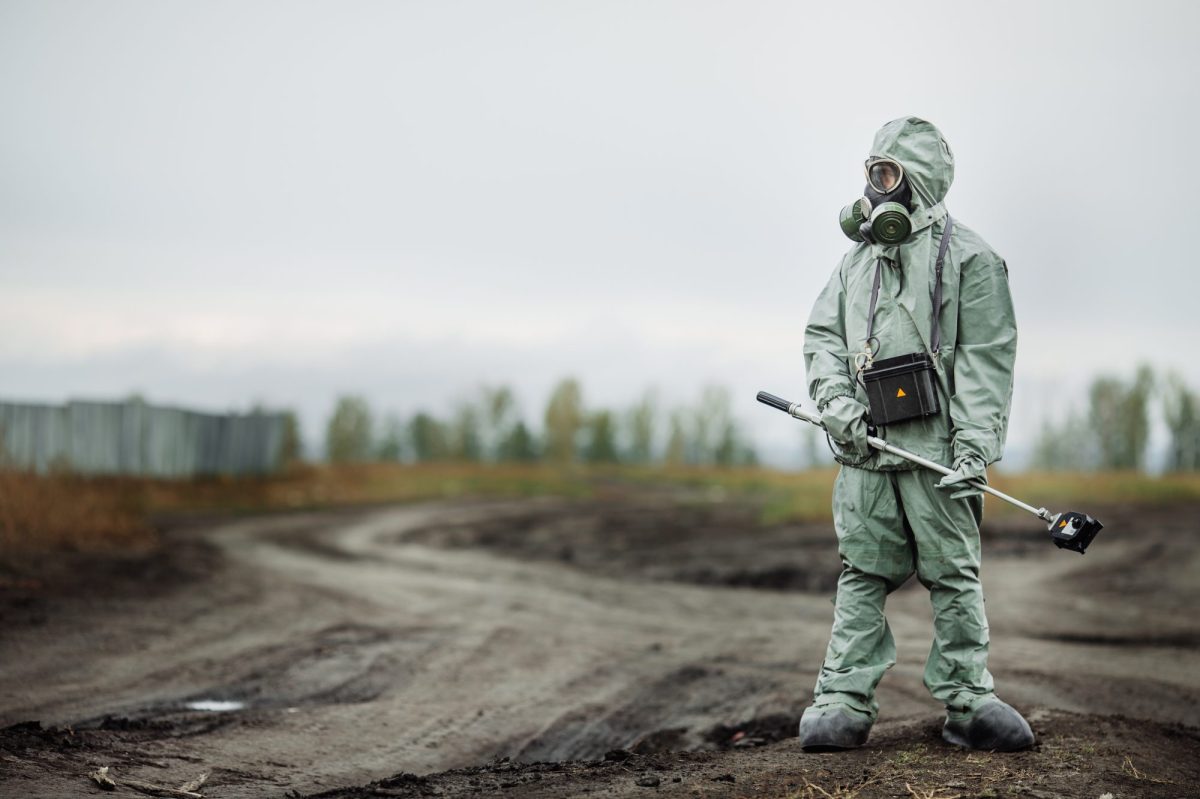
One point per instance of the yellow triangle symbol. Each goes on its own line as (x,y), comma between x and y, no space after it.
(900,393)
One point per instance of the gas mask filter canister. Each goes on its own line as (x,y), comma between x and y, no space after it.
(881,215)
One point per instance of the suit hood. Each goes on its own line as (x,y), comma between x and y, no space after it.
(923,152)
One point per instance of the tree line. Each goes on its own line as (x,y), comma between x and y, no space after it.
(489,427)
(1113,430)
(1110,432)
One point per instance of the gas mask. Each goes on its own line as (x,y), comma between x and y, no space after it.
(881,216)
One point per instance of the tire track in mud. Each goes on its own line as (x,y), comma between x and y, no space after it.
(334,632)
(428,637)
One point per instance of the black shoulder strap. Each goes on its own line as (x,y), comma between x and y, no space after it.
(874,301)
(935,335)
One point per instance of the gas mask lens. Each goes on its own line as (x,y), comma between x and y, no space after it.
(883,174)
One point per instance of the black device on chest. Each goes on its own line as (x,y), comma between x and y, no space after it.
(905,387)
(901,388)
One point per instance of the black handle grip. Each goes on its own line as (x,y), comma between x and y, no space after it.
(774,401)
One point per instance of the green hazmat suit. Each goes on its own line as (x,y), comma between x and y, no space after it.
(890,519)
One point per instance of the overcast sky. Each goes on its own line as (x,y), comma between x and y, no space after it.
(217,203)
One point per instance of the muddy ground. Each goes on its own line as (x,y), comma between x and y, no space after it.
(638,644)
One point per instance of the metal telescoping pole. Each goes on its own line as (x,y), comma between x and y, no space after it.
(794,409)
(879,443)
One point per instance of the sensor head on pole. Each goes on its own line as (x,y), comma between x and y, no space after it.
(1074,531)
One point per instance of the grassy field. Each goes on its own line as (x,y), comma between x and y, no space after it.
(73,512)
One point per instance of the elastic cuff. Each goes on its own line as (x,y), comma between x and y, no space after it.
(843,702)
(821,406)
(961,454)
(965,705)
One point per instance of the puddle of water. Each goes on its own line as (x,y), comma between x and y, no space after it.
(215,705)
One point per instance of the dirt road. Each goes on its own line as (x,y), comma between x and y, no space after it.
(334,649)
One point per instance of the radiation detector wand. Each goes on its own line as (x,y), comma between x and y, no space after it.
(1069,530)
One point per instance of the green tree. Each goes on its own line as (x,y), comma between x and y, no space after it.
(429,438)
(728,451)
(732,448)
(601,444)
(1119,418)
(564,419)
(292,448)
(391,442)
(499,416)
(1181,411)
(749,455)
(711,421)
(641,420)
(519,445)
(676,452)
(466,437)
(348,435)
(1064,447)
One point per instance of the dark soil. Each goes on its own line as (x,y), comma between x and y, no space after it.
(1076,756)
(718,544)
(558,648)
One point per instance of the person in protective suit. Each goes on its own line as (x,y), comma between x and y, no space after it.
(893,518)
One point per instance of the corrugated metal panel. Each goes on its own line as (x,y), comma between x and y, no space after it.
(134,438)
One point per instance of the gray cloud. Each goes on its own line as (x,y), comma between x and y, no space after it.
(222,201)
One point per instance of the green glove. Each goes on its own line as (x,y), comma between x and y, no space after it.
(845,419)
(967,469)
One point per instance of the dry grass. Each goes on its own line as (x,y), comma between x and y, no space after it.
(1131,770)
(63,511)
(66,512)
(1060,490)
(806,495)
(930,793)
(813,791)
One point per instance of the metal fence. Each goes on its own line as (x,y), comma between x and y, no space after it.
(134,438)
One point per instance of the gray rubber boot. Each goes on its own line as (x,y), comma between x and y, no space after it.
(994,726)
(832,728)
